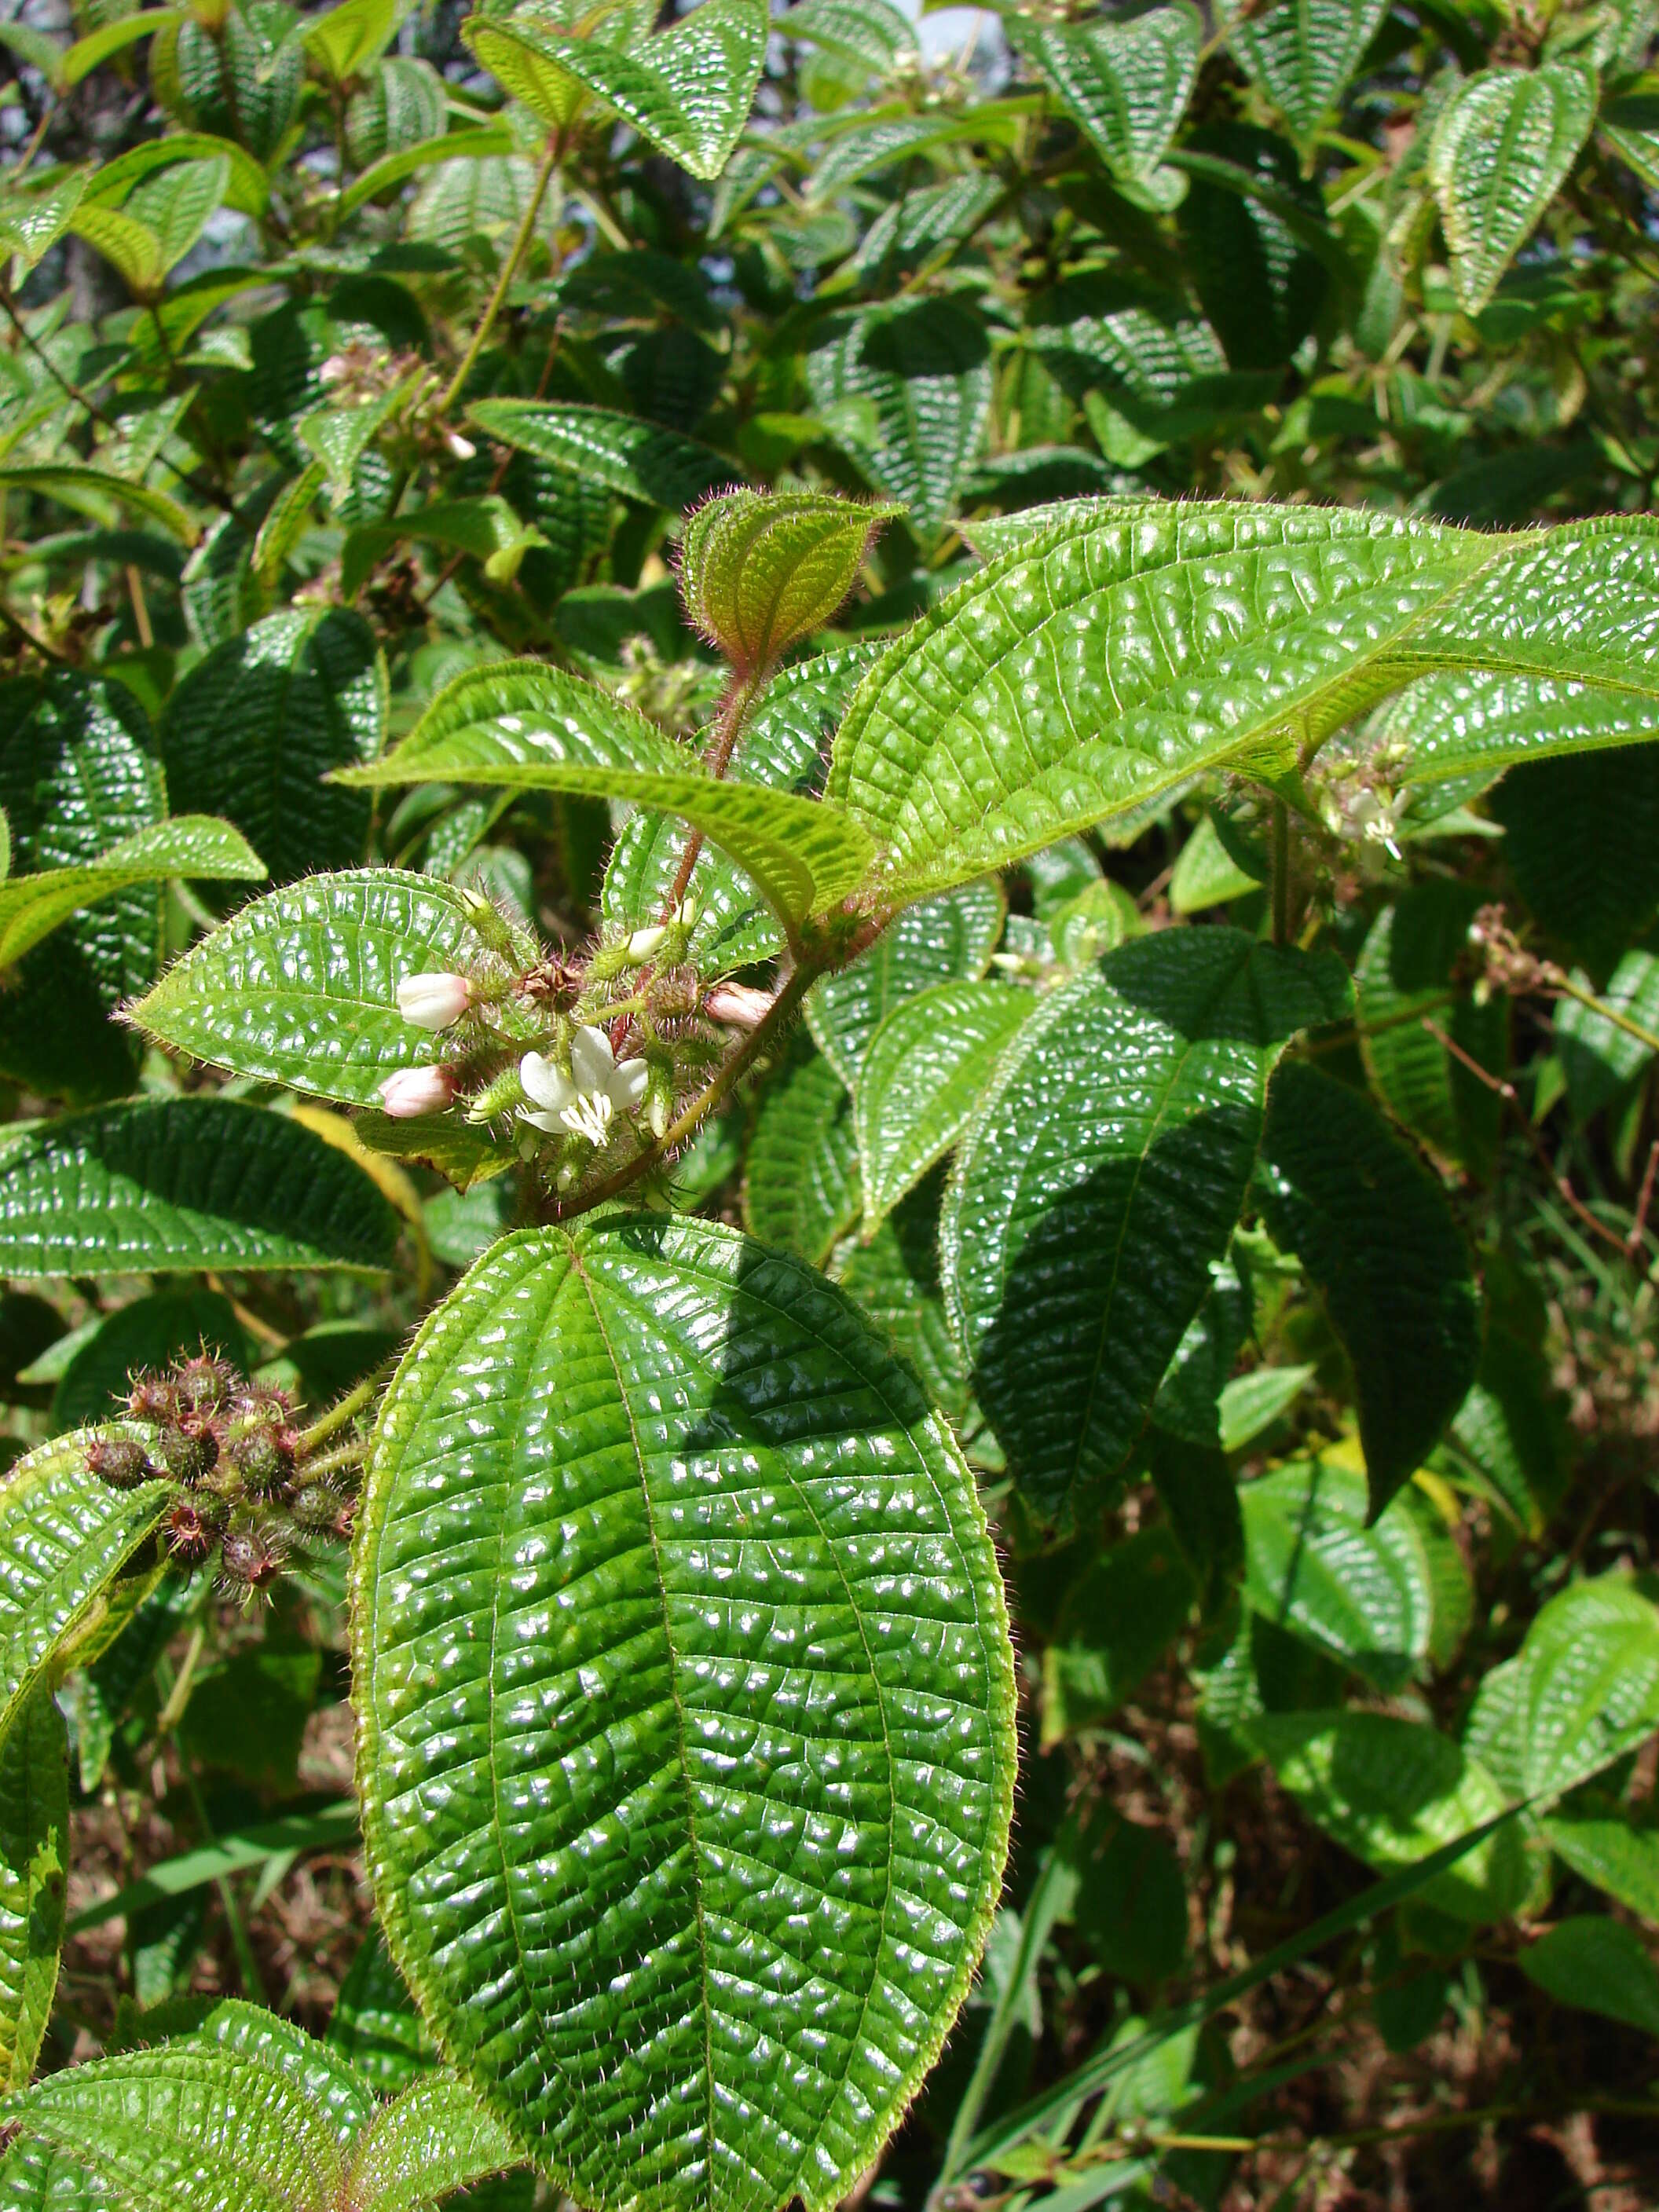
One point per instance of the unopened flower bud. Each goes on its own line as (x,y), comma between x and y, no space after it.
(645,944)
(192,1526)
(463,448)
(416,1090)
(741,1005)
(263,1460)
(188,1450)
(118,1461)
(432,1000)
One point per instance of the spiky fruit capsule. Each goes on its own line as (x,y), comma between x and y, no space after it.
(192,1526)
(189,1447)
(203,1382)
(251,1558)
(118,1461)
(154,1398)
(264,1458)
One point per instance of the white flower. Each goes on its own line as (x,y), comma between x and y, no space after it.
(585,1101)
(415,1091)
(432,1000)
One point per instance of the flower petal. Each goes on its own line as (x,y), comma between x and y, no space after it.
(545,1085)
(627,1085)
(591,1059)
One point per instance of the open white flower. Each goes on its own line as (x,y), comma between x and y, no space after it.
(588,1100)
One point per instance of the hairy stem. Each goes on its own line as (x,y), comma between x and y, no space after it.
(734,711)
(509,271)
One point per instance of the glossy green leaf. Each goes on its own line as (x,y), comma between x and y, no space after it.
(917,377)
(1608,1851)
(492,140)
(374,2023)
(1125,84)
(1362,1595)
(1252,1403)
(1392,1792)
(641,460)
(162,1186)
(1581,840)
(871,32)
(1123,646)
(64,1538)
(585,1816)
(924,1073)
(520,726)
(686,90)
(1301,53)
(246,188)
(32,224)
(1206,874)
(1383,1251)
(1600,1966)
(1502,146)
(99,494)
(1101,1180)
(31,907)
(344,38)
(1480,723)
(782,745)
(1259,252)
(1423,1033)
(894,1281)
(34,1848)
(1598,1057)
(936,941)
(35,2179)
(486,529)
(434,2138)
(1119,1619)
(1588,1684)
(90,53)
(255,726)
(801,1189)
(760,572)
(300,987)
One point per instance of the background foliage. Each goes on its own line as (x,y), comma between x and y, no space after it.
(1243,1150)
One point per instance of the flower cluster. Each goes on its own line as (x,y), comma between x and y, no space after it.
(583,1062)
(230,1447)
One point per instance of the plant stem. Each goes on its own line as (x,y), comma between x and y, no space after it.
(717,758)
(678,1132)
(509,271)
(1281,873)
(1560,981)
(331,1422)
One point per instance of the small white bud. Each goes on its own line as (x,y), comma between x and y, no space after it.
(463,448)
(645,944)
(415,1091)
(657,1115)
(432,1000)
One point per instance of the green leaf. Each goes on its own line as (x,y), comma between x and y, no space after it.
(801,1189)
(920,377)
(761,571)
(145,1333)
(594,1820)
(300,987)
(333,1828)
(303,693)
(99,494)
(1126,84)
(374,2023)
(434,2138)
(1450,727)
(1259,252)
(1101,1183)
(1123,646)
(487,529)
(1119,1619)
(64,1538)
(1383,1251)
(894,1281)
(492,140)
(1362,1595)
(247,188)
(686,90)
(285,523)
(92,51)
(346,38)
(1252,1403)
(1581,839)
(936,941)
(1587,1689)
(35,1846)
(640,460)
(1416,1002)
(924,1073)
(164,1185)
(130,247)
(780,746)
(520,726)
(31,224)
(1206,874)
(1599,1965)
(1391,1792)
(1301,53)
(1598,1058)
(1609,1852)
(31,907)
(1502,146)
(870,32)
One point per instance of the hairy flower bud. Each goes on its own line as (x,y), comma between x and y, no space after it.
(432,1000)
(263,1459)
(416,1090)
(253,1556)
(760,571)
(741,1005)
(118,1461)
(203,1382)
(189,1449)
(154,1398)
(191,1527)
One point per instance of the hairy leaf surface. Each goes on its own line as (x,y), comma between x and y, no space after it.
(1502,146)
(689,1878)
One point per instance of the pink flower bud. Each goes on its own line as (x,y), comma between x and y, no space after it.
(740,1004)
(432,1000)
(415,1091)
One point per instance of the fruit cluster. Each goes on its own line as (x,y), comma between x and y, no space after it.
(230,1446)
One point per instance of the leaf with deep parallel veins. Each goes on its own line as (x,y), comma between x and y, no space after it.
(98,493)
(801,1182)
(301,985)
(641,460)
(66,1535)
(1101,1179)
(924,1074)
(761,571)
(922,371)
(604,1807)
(1125,645)
(1502,146)
(1480,723)
(1126,84)
(1302,53)
(687,90)
(434,2139)
(162,1186)
(34,1847)
(35,2179)
(780,745)
(936,941)
(194,845)
(1382,1248)
(520,726)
